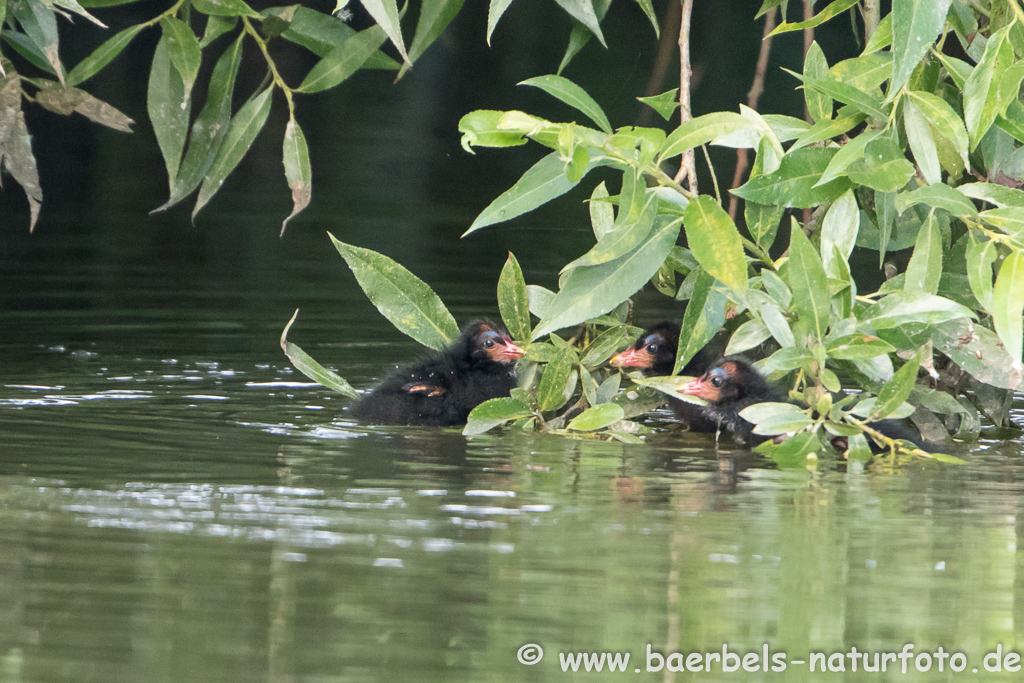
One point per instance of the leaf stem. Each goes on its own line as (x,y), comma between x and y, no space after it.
(278,81)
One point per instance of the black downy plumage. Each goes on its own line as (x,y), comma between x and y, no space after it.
(732,384)
(655,354)
(443,388)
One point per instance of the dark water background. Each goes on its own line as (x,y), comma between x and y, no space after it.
(176,504)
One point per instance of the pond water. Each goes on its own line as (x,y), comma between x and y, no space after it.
(177,504)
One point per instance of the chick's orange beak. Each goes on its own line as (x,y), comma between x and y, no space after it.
(631,358)
(699,388)
(507,352)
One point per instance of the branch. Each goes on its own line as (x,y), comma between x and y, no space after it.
(688,167)
(753,97)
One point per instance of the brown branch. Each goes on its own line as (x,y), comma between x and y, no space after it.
(688,167)
(666,46)
(753,97)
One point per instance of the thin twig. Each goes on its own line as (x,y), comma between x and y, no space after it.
(688,167)
(808,39)
(753,97)
(872,15)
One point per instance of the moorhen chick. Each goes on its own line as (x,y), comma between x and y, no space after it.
(655,354)
(442,389)
(731,384)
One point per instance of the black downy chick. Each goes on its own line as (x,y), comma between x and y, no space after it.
(655,354)
(732,384)
(442,389)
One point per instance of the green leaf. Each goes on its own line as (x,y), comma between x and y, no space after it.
(882,37)
(839,229)
(897,390)
(544,181)
(858,347)
(597,417)
(1010,219)
(602,215)
(404,299)
(245,126)
(827,129)
(849,153)
(592,290)
(1000,195)
(573,95)
(668,386)
(40,25)
(836,7)
(305,364)
(321,33)
(494,12)
(583,12)
(76,7)
(17,148)
(608,342)
(702,130)
(540,300)
(922,143)
(944,119)
(480,128)
(809,283)
(169,108)
(848,94)
(793,453)
(704,316)
(884,167)
(978,351)
(1007,303)
(385,13)
(938,196)
(715,243)
(435,15)
(925,267)
(513,302)
(216,27)
(210,126)
(915,26)
(980,257)
(747,336)
(665,104)
(866,72)
(91,65)
(494,412)
(225,8)
(622,239)
(551,390)
(815,67)
(981,90)
(183,48)
(648,9)
(297,170)
(902,309)
(776,418)
(794,184)
(343,61)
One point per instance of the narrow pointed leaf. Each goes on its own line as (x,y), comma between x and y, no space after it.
(602,215)
(922,143)
(915,26)
(704,317)
(702,130)
(494,12)
(225,8)
(665,104)
(245,126)
(944,119)
(40,25)
(590,291)
(809,283)
(816,67)
(978,351)
(513,302)
(544,181)
(404,299)
(597,417)
(1007,304)
(216,27)
(795,183)
(16,145)
(76,7)
(938,196)
(305,364)
(831,10)
(493,413)
(715,242)
(621,240)
(210,127)
(980,257)
(925,267)
(981,90)
(551,388)
(169,108)
(896,390)
(573,95)
(183,48)
(435,15)
(385,13)
(297,170)
(839,229)
(343,61)
(102,56)
(583,12)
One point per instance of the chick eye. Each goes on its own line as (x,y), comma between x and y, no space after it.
(716,381)
(652,348)
(489,344)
